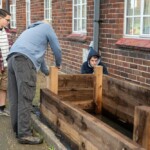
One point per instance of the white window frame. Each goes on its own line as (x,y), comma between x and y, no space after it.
(49,10)
(1,3)
(79,17)
(28,13)
(13,16)
(141,35)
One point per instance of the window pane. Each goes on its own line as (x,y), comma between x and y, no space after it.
(79,25)
(79,15)
(75,24)
(130,6)
(147,7)
(75,1)
(83,24)
(136,27)
(79,11)
(45,4)
(129,26)
(83,11)
(137,6)
(75,11)
(83,1)
(12,17)
(46,14)
(146,25)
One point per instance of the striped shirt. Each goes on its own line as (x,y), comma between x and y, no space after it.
(4,45)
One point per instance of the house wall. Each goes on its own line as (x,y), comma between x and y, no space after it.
(72,45)
(128,63)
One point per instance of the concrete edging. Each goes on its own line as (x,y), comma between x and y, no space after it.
(47,133)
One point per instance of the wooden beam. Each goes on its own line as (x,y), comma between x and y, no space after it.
(141,133)
(53,80)
(120,97)
(98,71)
(84,129)
(84,105)
(75,80)
(77,93)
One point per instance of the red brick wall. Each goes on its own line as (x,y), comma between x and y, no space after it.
(20,15)
(128,63)
(71,47)
(37,10)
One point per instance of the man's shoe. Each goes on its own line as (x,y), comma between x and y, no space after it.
(30,140)
(4,113)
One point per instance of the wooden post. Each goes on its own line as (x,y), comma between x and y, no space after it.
(53,80)
(98,88)
(141,133)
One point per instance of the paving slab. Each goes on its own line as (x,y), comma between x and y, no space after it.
(8,140)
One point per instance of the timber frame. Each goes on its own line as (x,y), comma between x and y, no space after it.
(64,103)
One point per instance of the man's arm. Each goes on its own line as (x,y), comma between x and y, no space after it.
(54,44)
(44,68)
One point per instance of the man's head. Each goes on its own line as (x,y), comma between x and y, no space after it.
(4,18)
(94,61)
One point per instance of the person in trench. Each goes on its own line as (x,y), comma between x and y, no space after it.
(93,60)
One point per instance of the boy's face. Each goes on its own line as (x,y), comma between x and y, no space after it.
(4,21)
(93,61)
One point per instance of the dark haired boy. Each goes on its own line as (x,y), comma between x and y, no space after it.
(92,61)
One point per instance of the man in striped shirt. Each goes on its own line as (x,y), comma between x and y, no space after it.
(4,46)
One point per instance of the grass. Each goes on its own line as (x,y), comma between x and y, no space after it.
(41,83)
(51,148)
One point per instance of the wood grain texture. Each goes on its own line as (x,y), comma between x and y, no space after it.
(141,132)
(84,129)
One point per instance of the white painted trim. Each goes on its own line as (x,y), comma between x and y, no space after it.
(1,3)
(79,17)
(49,9)
(28,20)
(141,16)
(13,13)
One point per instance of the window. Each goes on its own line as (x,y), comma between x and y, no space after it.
(137,18)
(13,15)
(28,13)
(79,16)
(0,3)
(85,53)
(48,10)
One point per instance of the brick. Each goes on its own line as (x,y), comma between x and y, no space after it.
(138,61)
(141,79)
(146,62)
(133,77)
(133,66)
(142,68)
(119,59)
(146,75)
(148,81)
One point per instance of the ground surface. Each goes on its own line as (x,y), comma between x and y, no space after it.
(7,137)
(8,140)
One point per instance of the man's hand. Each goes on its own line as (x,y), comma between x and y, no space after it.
(59,67)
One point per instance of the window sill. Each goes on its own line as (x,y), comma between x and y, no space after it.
(77,37)
(140,44)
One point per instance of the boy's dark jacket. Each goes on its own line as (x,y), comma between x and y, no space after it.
(87,68)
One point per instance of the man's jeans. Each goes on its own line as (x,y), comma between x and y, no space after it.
(21,91)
